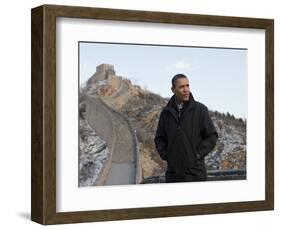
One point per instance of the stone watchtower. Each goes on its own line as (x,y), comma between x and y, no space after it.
(105,69)
(102,73)
(106,72)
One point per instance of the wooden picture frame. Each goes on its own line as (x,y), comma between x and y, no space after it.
(43,160)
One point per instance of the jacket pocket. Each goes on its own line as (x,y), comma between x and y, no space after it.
(180,154)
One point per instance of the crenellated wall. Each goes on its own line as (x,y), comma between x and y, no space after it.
(101,116)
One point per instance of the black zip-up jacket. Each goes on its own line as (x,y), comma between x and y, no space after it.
(183,141)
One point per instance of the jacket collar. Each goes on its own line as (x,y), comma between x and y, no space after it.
(172,106)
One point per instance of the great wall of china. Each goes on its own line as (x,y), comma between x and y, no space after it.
(123,165)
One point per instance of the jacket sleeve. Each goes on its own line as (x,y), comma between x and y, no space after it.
(161,140)
(209,135)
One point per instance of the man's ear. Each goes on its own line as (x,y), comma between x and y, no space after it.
(173,90)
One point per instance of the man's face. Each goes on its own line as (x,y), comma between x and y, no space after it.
(182,89)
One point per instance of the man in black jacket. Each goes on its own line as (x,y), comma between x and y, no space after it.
(185,134)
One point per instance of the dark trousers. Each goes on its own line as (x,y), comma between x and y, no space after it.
(191,175)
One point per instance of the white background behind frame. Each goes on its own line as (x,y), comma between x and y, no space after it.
(72,198)
(16,208)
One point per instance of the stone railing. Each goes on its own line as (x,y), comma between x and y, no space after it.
(100,119)
(212,175)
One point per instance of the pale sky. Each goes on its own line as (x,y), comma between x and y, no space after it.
(217,76)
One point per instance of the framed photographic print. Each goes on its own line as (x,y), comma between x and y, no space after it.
(109,86)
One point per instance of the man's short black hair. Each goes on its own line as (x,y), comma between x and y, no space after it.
(176,77)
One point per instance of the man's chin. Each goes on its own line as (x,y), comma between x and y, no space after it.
(185,98)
